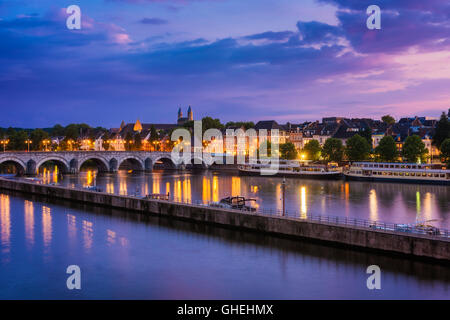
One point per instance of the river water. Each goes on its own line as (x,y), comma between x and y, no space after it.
(128,255)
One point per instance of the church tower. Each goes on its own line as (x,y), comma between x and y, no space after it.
(137,126)
(180,114)
(190,114)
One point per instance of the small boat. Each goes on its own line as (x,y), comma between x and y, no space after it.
(397,172)
(236,203)
(293,169)
(93,188)
(419,227)
(157,196)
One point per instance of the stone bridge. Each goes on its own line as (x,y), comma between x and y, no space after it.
(106,161)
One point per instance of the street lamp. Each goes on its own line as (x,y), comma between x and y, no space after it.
(46,142)
(28,142)
(4,142)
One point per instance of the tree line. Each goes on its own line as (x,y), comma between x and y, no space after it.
(359,147)
(38,139)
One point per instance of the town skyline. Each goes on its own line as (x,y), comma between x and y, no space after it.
(278,60)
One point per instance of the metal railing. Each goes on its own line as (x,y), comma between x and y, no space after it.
(335,220)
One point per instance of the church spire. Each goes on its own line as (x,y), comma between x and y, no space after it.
(190,114)
(180,113)
(137,126)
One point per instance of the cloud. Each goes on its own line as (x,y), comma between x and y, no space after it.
(153,21)
(318,32)
(404,23)
(270,35)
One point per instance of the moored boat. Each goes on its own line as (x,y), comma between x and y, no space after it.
(293,169)
(397,172)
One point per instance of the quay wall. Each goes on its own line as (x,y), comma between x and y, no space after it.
(414,245)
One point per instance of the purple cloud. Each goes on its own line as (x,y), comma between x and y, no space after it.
(153,21)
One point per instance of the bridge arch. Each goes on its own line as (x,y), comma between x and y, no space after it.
(63,164)
(102,164)
(164,161)
(21,167)
(131,163)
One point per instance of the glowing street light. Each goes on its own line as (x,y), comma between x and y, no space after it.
(28,142)
(46,142)
(4,142)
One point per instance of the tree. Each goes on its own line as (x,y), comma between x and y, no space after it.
(388,119)
(240,124)
(445,151)
(129,141)
(367,134)
(442,131)
(288,151)
(357,148)
(105,141)
(37,136)
(387,149)
(17,140)
(414,149)
(137,141)
(312,150)
(57,130)
(154,137)
(333,150)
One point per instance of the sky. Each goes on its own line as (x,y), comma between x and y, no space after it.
(236,60)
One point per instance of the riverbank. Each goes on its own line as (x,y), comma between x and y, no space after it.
(413,245)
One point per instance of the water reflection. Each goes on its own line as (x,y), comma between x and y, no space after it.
(29,222)
(118,249)
(5,223)
(46,226)
(303,204)
(390,202)
(373,205)
(88,234)
(72,227)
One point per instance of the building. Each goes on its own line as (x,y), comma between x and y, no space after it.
(182,120)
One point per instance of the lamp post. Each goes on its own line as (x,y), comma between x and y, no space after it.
(4,142)
(28,142)
(46,142)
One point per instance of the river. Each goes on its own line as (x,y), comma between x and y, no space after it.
(132,256)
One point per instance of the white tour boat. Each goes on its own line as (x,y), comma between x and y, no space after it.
(292,169)
(397,172)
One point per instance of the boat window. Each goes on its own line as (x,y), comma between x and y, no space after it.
(395,173)
(413,174)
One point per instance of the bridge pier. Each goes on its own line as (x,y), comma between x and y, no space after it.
(31,168)
(73,166)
